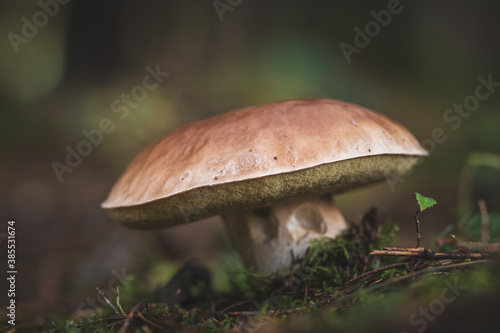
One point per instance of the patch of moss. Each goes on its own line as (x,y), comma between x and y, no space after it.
(327,266)
(85,325)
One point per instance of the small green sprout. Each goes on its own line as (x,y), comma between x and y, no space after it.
(425,202)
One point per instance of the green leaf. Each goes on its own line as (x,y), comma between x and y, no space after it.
(425,202)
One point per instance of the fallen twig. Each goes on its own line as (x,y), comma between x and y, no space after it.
(487,249)
(138,307)
(427,254)
(412,249)
(333,301)
(223,311)
(374,271)
(442,268)
(149,322)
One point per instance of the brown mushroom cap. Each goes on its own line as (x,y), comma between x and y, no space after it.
(257,155)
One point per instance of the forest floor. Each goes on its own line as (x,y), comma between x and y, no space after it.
(356,282)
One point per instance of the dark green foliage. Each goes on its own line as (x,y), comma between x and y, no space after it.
(473,226)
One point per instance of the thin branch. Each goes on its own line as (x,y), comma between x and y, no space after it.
(223,311)
(103,295)
(136,309)
(417,226)
(427,254)
(487,249)
(443,268)
(243,313)
(374,271)
(118,301)
(485,222)
(267,313)
(147,321)
(412,249)
(333,302)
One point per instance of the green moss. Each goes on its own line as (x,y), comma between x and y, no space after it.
(390,308)
(326,267)
(394,273)
(85,325)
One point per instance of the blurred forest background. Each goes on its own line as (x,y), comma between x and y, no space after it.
(64,78)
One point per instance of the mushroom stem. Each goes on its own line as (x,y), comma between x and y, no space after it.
(270,238)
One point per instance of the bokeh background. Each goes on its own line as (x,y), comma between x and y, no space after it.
(64,78)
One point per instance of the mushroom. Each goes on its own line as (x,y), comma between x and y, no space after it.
(268,171)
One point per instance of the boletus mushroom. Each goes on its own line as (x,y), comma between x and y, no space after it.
(268,171)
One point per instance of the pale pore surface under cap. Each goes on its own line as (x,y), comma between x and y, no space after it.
(257,155)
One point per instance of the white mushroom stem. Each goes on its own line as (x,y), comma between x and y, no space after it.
(269,238)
